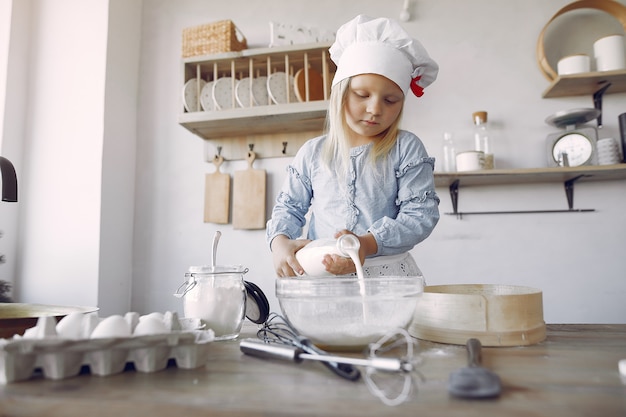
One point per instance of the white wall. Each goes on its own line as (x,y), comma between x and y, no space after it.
(66,80)
(487,62)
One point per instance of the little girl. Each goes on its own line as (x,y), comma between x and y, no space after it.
(365,176)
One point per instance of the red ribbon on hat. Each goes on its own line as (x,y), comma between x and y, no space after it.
(415,88)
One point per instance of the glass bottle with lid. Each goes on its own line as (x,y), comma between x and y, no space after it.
(482,142)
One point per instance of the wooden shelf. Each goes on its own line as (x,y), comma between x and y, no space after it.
(264,124)
(586,84)
(567,176)
(531,175)
(283,118)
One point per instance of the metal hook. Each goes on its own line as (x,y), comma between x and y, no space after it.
(219,152)
(284,148)
(251,147)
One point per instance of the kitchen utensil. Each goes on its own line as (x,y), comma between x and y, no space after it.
(263,349)
(315,85)
(470,161)
(278,331)
(224,93)
(221,298)
(574,64)
(336,313)
(217,194)
(390,364)
(243,93)
(249,196)
(216,239)
(609,53)
(474,381)
(498,315)
(15,318)
(191,93)
(206,97)
(281,88)
(217,296)
(577,144)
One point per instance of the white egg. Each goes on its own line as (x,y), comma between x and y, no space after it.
(150,325)
(170,318)
(71,326)
(132,318)
(155,315)
(112,326)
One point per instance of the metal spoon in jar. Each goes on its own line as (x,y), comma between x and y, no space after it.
(216,239)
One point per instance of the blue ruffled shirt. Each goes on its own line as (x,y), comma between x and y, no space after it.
(395,200)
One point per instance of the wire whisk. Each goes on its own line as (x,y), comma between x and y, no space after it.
(388,377)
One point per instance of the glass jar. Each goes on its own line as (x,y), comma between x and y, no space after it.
(217,296)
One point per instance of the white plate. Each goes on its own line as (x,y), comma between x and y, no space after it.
(277,88)
(206,97)
(259,91)
(190,94)
(242,93)
(223,93)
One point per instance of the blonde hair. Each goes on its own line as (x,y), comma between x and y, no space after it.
(336,150)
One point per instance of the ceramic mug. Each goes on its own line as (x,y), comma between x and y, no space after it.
(470,161)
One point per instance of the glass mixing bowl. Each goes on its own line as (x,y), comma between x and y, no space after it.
(345,313)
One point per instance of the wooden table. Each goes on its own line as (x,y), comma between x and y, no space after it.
(574,372)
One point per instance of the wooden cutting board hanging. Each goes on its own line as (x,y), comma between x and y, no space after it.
(217,194)
(249,197)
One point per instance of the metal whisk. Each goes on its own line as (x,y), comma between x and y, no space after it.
(278,339)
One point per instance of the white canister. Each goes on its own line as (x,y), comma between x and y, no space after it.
(470,161)
(608,151)
(574,64)
(217,296)
(609,53)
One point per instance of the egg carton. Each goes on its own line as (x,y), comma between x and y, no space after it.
(106,346)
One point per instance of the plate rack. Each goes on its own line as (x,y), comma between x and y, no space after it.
(274,129)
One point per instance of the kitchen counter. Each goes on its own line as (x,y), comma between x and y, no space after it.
(574,372)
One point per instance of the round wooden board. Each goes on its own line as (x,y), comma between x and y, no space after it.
(316,85)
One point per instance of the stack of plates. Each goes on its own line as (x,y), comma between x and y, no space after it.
(608,152)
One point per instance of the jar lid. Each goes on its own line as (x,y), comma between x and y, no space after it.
(257,306)
(218,269)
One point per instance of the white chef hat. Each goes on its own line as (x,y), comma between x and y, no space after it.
(380,46)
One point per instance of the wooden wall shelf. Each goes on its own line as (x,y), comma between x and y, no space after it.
(266,125)
(567,175)
(586,84)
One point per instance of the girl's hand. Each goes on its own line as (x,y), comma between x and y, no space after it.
(284,256)
(340,265)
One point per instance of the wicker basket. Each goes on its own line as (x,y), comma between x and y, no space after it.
(212,38)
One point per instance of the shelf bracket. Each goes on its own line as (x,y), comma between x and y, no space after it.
(454,196)
(569,193)
(597,101)
(569,190)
